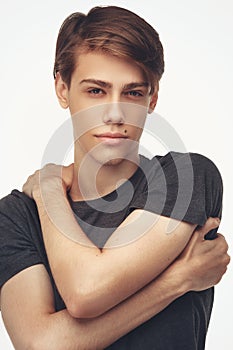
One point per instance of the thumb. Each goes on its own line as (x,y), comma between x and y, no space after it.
(209,225)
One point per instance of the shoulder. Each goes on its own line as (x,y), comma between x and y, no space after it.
(16,206)
(184,172)
(205,164)
(15,199)
(181,161)
(173,156)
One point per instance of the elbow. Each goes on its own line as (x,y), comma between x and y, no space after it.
(78,311)
(85,305)
(88,296)
(82,308)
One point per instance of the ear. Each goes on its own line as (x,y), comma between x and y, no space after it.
(61,91)
(154,99)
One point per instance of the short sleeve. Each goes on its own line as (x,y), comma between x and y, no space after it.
(183,186)
(17,248)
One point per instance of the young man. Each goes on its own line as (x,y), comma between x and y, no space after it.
(107,253)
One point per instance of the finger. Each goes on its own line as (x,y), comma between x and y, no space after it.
(220,235)
(209,225)
(221,238)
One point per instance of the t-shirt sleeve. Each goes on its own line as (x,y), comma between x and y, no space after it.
(183,186)
(17,249)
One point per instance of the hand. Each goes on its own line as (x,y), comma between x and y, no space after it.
(48,175)
(204,262)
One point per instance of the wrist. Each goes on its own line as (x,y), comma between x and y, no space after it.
(180,276)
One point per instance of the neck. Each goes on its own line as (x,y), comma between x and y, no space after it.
(93,180)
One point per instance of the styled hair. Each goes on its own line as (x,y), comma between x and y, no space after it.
(112,30)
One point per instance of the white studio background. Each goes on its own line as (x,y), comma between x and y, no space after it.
(195,97)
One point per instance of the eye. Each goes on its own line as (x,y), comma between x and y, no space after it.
(95,91)
(134,93)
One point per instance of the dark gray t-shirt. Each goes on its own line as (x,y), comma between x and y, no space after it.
(187,187)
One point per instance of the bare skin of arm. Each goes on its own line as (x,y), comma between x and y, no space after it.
(27,303)
(106,276)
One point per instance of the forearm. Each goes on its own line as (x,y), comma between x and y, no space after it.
(104,278)
(64,332)
(60,230)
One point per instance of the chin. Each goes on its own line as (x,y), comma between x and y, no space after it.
(108,161)
(112,156)
(116,161)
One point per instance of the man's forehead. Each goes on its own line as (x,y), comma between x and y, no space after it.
(107,70)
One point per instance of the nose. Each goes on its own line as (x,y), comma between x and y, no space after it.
(114,114)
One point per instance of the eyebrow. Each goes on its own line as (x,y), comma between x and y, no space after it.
(108,85)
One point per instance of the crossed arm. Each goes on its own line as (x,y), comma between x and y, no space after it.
(28,307)
(92,280)
(200,266)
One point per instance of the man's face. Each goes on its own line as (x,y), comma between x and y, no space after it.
(108,101)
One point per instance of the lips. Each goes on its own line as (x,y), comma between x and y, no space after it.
(112,135)
(111,138)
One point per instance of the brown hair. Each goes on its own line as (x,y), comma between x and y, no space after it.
(113,30)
